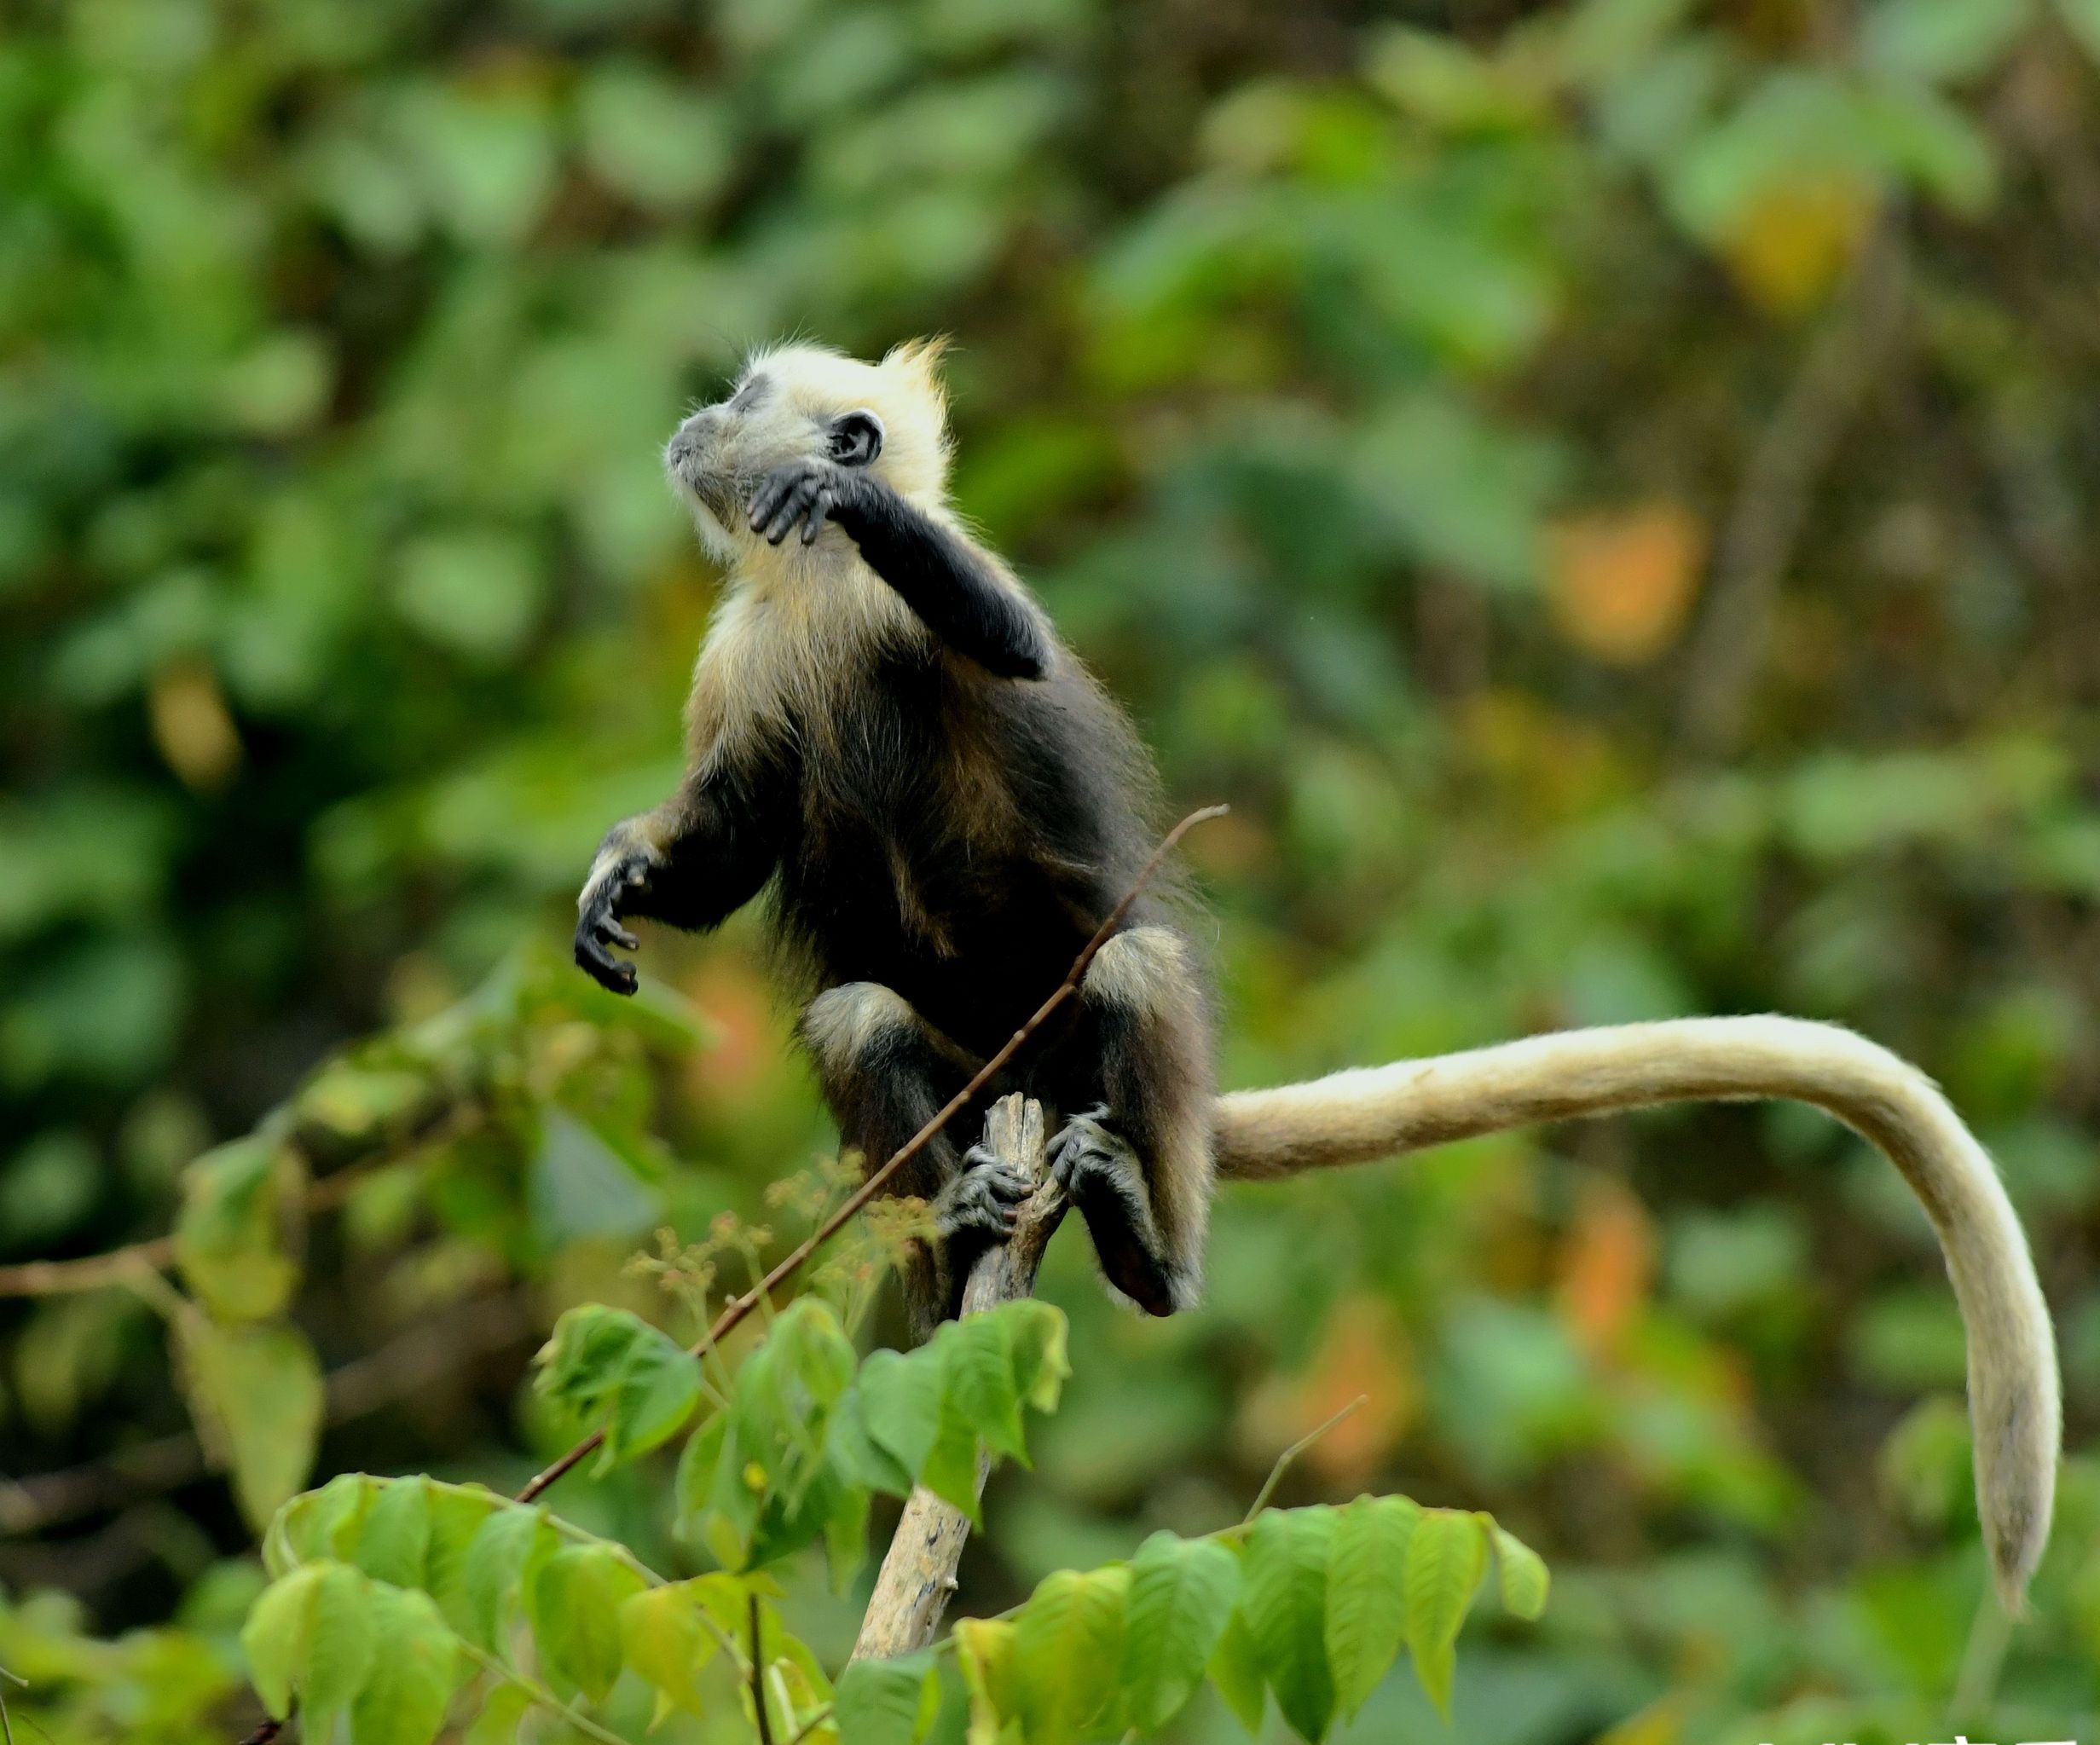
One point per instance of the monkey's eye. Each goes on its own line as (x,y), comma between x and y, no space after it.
(856,438)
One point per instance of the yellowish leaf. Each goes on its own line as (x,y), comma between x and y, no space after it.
(1792,243)
(1623,581)
(191,728)
(1607,1266)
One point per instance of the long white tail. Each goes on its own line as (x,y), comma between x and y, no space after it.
(2014,1408)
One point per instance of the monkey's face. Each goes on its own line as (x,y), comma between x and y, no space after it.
(805,402)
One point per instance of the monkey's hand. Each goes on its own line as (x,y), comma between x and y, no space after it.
(805,491)
(1104,1176)
(619,879)
(984,1200)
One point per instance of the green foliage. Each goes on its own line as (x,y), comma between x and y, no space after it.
(805,1440)
(608,1367)
(255,1392)
(1306,1603)
(228,1237)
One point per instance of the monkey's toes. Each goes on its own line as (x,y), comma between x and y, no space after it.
(986,1198)
(1084,1145)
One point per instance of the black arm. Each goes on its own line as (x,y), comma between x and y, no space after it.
(721,839)
(692,863)
(955,592)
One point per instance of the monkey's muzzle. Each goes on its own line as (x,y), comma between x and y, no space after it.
(694,457)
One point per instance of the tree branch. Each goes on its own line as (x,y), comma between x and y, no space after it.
(917,1575)
(397,1369)
(121,1266)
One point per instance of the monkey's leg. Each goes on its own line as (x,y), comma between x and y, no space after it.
(1138,1164)
(885,1072)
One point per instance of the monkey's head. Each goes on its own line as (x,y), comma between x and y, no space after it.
(797,402)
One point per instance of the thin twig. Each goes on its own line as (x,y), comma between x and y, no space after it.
(541,1694)
(1976,1686)
(737,1310)
(1765,522)
(818,1718)
(1297,1448)
(156,1254)
(758,1680)
(90,1272)
(397,1369)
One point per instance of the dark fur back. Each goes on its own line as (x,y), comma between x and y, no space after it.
(959,837)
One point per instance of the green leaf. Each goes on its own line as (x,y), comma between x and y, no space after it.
(574,1601)
(607,1366)
(502,1718)
(665,1634)
(318,1524)
(855,1454)
(900,1402)
(699,1464)
(1367,1594)
(1284,1601)
(980,1380)
(1236,1671)
(228,1235)
(457,1515)
(502,1558)
(984,1655)
(1524,1577)
(652,137)
(1446,1559)
(888,1701)
(410,1686)
(1180,1595)
(578,1187)
(312,1632)
(340,1649)
(1036,1342)
(275,1637)
(1068,1645)
(255,1393)
(1942,41)
(951,1468)
(394,1543)
(2082,19)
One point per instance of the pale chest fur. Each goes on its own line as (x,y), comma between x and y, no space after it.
(792,632)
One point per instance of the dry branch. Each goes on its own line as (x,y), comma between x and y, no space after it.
(917,1575)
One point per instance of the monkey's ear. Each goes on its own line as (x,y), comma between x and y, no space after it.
(855,438)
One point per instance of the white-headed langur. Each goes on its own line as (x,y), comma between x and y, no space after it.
(885,727)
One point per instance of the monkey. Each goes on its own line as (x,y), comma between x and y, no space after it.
(885,730)
(883,725)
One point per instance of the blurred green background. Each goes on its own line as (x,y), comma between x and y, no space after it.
(1605,490)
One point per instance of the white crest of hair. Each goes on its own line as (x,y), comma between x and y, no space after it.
(2015,1408)
(796,620)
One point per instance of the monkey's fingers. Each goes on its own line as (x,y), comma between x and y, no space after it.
(827,500)
(769,496)
(612,933)
(795,507)
(595,931)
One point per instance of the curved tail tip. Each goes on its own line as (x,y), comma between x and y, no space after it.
(2015,1537)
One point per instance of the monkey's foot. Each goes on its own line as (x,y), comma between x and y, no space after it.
(985,1200)
(1103,1176)
(621,876)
